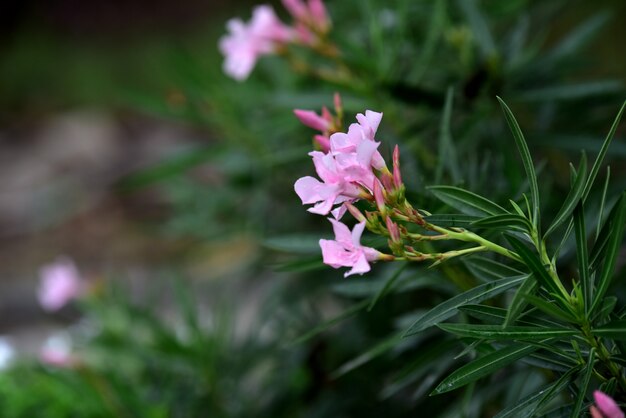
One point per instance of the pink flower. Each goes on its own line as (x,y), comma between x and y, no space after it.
(245,43)
(606,406)
(60,283)
(346,250)
(359,133)
(333,189)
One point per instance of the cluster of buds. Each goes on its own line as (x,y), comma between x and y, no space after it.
(266,34)
(350,169)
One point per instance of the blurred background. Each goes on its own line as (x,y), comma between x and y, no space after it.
(125,148)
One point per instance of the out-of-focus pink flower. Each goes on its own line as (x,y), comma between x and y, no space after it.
(245,43)
(605,406)
(54,357)
(57,351)
(346,250)
(60,282)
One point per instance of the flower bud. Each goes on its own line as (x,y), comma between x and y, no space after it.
(379,198)
(394,231)
(354,211)
(397,177)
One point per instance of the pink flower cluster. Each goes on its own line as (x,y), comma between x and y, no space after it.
(605,406)
(266,34)
(347,172)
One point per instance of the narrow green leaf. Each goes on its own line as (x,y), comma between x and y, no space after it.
(572,198)
(526,406)
(373,352)
(612,250)
(295,244)
(584,384)
(578,37)
(582,256)
(447,155)
(467,202)
(537,268)
(451,220)
(519,302)
(599,247)
(607,308)
(571,91)
(329,323)
(496,316)
(600,158)
(550,308)
(603,200)
(489,269)
(483,366)
(480,28)
(388,286)
(527,160)
(505,221)
(448,308)
(496,332)
(614,329)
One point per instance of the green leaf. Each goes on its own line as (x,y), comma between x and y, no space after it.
(448,308)
(488,269)
(603,200)
(451,220)
(615,330)
(373,352)
(493,315)
(519,302)
(527,160)
(480,28)
(483,366)
(504,221)
(447,155)
(572,198)
(353,310)
(600,158)
(388,286)
(466,201)
(571,91)
(584,384)
(526,406)
(607,307)
(295,244)
(496,332)
(617,224)
(535,265)
(550,308)
(582,256)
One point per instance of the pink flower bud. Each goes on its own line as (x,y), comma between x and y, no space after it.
(354,211)
(296,8)
(607,406)
(312,120)
(394,231)
(323,142)
(338,105)
(319,15)
(397,176)
(379,198)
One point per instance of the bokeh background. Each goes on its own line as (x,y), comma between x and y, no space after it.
(123,146)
